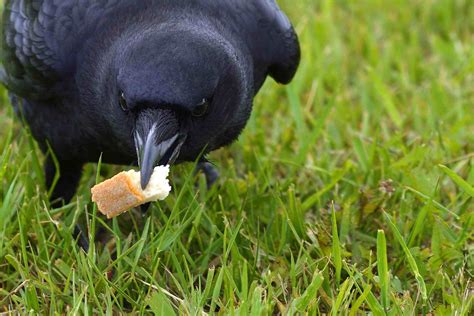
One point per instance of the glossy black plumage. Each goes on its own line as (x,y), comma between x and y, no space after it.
(65,63)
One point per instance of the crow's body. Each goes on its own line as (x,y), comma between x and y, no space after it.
(68,64)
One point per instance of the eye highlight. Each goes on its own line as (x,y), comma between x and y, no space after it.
(201,109)
(123,102)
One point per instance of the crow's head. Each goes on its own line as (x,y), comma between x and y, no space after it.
(182,93)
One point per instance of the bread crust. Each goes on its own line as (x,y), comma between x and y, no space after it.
(117,195)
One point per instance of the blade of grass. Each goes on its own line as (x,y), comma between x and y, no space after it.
(344,290)
(310,295)
(361,153)
(419,223)
(336,177)
(409,257)
(382,267)
(360,300)
(336,247)
(141,243)
(428,199)
(92,228)
(160,304)
(369,297)
(57,172)
(469,189)
(217,289)
(386,99)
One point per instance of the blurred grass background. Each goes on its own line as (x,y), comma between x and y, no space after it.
(334,200)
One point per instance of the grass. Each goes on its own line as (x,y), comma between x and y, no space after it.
(350,192)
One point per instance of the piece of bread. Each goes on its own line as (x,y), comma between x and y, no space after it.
(123,192)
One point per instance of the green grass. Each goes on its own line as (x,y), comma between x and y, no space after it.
(351,191)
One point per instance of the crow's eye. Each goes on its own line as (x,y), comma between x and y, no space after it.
(123,102)
(201,109)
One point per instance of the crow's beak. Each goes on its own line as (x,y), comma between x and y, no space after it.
(152,151)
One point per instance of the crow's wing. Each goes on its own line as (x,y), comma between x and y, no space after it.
(39,41)
(268,32)
(25,56)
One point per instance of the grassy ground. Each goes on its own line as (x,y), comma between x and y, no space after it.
(334,200)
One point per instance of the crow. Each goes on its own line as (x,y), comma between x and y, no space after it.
(144,82)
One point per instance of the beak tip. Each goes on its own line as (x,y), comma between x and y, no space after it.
(145,179)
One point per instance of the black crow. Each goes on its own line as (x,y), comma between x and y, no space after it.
(139,81)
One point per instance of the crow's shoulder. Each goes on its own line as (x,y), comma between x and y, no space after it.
(268,32)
